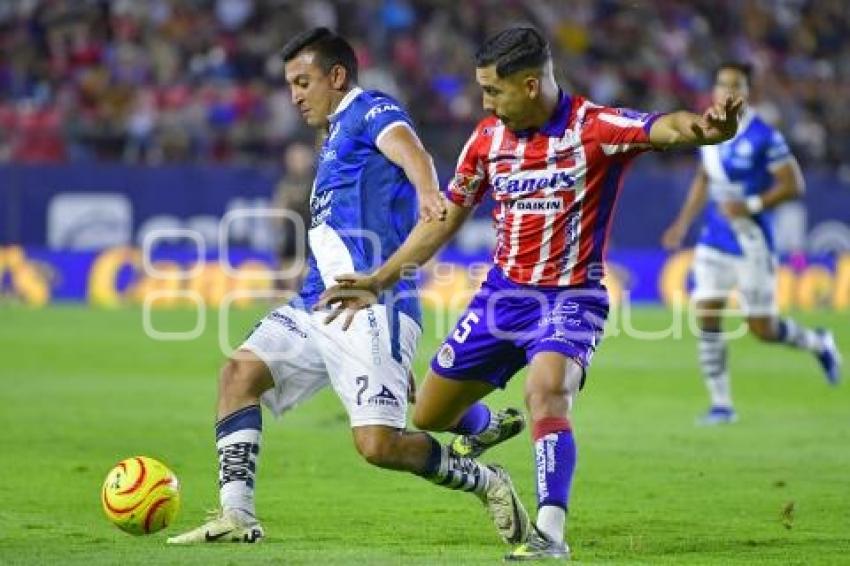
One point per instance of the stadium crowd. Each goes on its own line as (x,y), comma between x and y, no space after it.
(159,81)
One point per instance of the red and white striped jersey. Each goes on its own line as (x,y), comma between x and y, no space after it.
(555,188)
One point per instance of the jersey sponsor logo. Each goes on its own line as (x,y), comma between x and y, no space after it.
(375,333)
(446,356)
(528,183)
(380,109)
(287,323)
(320,208)
(536,205)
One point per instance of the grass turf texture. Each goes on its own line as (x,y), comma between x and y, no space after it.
(82,389)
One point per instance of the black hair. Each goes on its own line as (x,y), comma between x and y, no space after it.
(744,68)
(330,50)
(514,49)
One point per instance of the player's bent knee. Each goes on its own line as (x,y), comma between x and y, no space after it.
(763,330)
(239,378)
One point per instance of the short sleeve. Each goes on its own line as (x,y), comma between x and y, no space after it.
(469,183)
(384,115)
(777,149)
(623,131)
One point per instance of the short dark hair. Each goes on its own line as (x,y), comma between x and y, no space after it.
(330,50)
(744,68)
(514,49)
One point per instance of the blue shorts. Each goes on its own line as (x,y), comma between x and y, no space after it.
(507,324)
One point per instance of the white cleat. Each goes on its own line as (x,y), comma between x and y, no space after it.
(505,508)
(224,526)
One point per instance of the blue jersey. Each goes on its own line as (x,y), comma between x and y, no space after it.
(736,169)
(362,206)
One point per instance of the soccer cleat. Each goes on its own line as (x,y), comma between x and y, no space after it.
(829,357)
(539,547)
(506,424)
(504,507)
(718,416)
(224,526)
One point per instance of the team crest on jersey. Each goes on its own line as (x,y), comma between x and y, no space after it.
(446,356)
(744,148)
(466,184)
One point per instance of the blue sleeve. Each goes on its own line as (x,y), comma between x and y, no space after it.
(383,114)
(777,148)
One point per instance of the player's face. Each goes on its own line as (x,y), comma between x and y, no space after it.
(311,88)
(509,98)
(730,82)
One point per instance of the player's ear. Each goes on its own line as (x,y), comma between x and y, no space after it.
(339,77)
(532,86)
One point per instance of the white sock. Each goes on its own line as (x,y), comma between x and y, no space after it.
(550,520)
(237,456)
(712,360)
(799,336)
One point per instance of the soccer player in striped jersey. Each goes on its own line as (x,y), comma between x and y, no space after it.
(553,162)
(742,180)
(372,170)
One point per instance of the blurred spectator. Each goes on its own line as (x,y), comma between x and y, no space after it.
(292,194)
(200,81)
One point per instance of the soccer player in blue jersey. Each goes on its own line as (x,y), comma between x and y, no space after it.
(738,184)
(371,169)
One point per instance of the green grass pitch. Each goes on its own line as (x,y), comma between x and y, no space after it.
(81,389)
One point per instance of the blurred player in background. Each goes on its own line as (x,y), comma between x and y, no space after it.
(742,180)
(554,163)
(371,168)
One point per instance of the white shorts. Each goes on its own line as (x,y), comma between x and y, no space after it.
(717,274)
(303,355)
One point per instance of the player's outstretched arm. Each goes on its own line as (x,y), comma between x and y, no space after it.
(684,129)
(694,203)
(356,291)
(401,146)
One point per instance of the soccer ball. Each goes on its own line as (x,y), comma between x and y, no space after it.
(140,495)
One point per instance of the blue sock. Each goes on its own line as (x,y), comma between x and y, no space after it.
(238,443)
(555,460)
(474,421)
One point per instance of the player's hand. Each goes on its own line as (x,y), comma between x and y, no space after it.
(673,236)
(720,121)
(734,209)
(352,293)
(432,206)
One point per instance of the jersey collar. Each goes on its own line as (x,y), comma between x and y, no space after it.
(556,125)
(346,101)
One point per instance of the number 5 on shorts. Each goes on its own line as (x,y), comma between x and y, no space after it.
(465,327)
